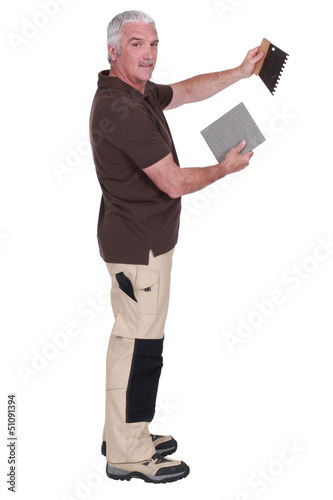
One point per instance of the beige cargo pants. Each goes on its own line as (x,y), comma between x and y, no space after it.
(140,299)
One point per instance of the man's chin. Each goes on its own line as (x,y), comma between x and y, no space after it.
(147,70)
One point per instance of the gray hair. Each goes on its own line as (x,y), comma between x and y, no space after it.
(116,25)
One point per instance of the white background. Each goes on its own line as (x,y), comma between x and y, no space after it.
(233,409)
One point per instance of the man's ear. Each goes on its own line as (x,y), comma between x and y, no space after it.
(112,52)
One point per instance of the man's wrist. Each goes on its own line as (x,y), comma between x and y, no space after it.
(238,73)
(223,171)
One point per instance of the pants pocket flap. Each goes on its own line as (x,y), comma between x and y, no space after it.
(146,278)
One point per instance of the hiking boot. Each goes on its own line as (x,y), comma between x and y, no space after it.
(164,445)
(156,470)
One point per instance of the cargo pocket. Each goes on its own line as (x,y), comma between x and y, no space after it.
(125,285)
(124,305)
(147,294)
(143,381)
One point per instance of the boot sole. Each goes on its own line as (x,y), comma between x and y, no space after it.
(121,475)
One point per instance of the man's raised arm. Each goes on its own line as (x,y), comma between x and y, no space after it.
(204,86)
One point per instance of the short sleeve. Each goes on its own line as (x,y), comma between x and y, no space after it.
(164,94)
(135,132)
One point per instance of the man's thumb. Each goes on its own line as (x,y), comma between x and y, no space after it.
(240,146)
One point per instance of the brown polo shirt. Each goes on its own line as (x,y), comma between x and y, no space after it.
(128,132)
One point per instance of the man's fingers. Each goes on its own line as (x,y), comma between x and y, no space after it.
(254,55)
(258,57)
(234,160)
(253,52)
(240,146)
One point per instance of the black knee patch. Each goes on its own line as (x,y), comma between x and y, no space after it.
(143,381)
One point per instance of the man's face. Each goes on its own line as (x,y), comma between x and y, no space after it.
(138,54)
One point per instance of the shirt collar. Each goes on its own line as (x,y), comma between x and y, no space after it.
(113,82)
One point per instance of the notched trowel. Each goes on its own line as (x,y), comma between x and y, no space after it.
(270,67)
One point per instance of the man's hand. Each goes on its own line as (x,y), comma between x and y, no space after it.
(247,66)
(234,161)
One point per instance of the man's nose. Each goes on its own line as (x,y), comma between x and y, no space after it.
(148,53)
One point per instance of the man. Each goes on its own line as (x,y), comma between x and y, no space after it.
(142,184)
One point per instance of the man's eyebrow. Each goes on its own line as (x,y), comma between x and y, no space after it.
(140,39)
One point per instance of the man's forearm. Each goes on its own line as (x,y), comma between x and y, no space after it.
(202,87)
(193,179)
(176,182)
(189,180)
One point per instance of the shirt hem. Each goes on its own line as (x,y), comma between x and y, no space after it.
(135,260)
